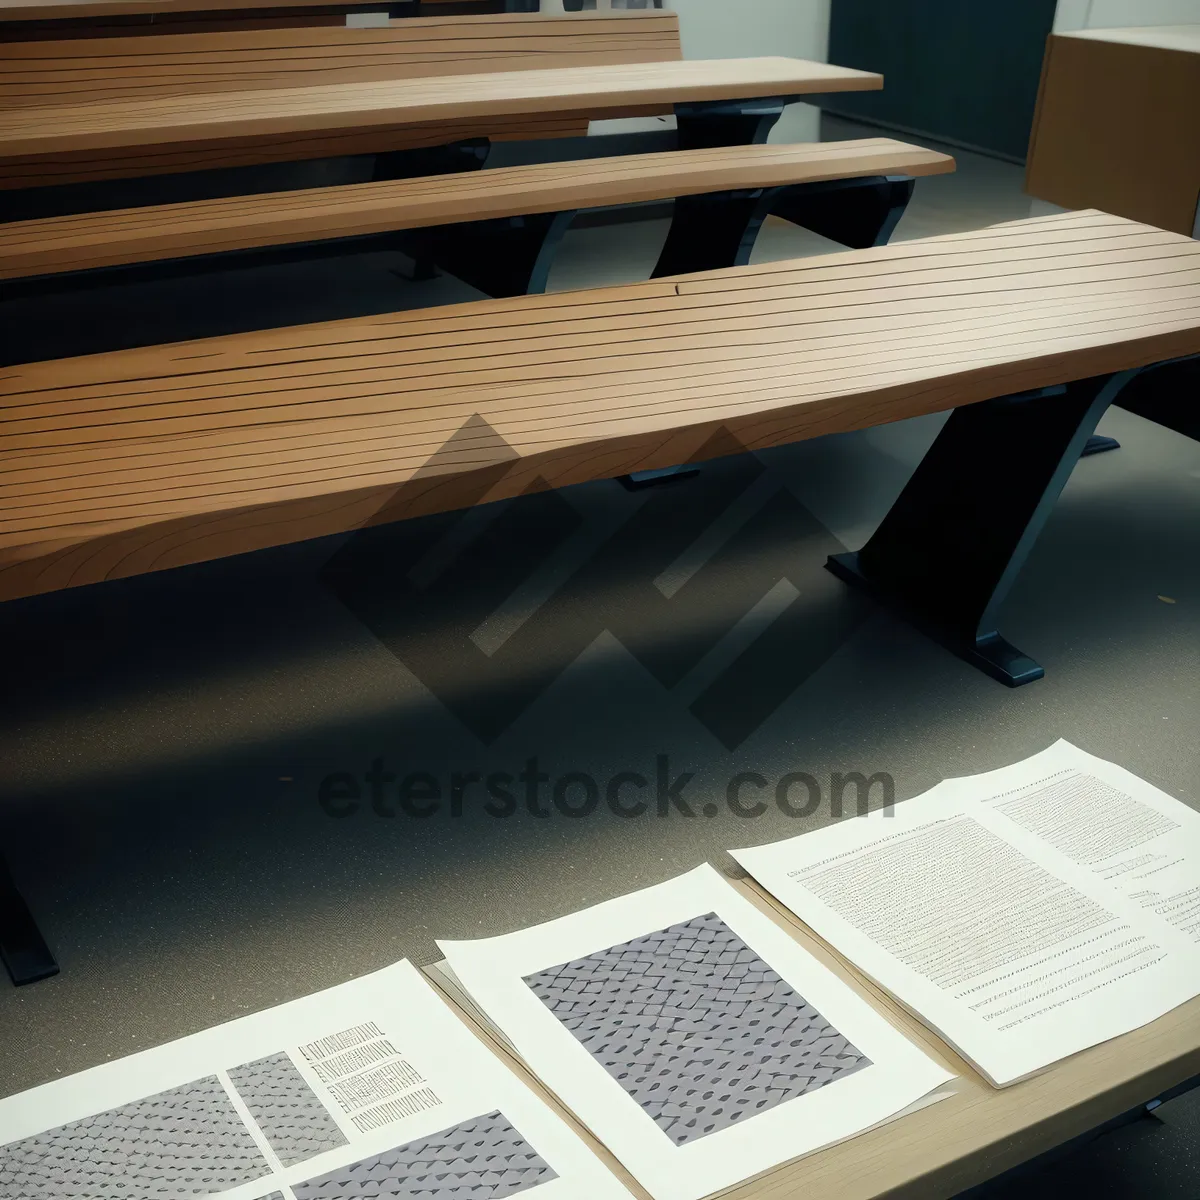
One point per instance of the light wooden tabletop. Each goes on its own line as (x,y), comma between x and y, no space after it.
(128,462)
(228,116)
(1159,37)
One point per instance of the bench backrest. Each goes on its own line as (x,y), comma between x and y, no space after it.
(74,72)
(44,20)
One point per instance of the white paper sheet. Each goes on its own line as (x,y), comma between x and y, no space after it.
(610,1027)
(375,1079)
(1025,914)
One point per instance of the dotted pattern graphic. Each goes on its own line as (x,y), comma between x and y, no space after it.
(188,1141)
(295,1123)
(483,1159)
(696,1027)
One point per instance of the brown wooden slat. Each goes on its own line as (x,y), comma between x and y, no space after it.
(88,240)
(123,125)
(42,10)
(80,166)
(33,74)
(116,464)
(69,72)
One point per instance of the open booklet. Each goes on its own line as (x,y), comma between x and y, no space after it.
(373,1088)
(1024,914)
(692,1035)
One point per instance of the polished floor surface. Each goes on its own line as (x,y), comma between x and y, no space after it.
(165,741)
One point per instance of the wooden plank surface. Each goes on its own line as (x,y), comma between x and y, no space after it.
(1118,127)
(127,138)
(88,240)
(59,73)
(41,10)
(122,463)
(601,90)
(34,75)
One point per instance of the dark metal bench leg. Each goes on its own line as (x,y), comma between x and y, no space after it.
(713,231)
(467,155)
(947,553)
(1097,444)
(22,946)
(855,212)
(510,256)
(638,481)
(719,230)
(734,123)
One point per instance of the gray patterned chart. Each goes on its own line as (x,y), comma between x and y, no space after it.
(696,1027)
(188,1141)
(481,1159)
(295,1123)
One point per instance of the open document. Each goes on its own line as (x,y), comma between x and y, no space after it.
(1024,915)
(371,1089)
(692,1035)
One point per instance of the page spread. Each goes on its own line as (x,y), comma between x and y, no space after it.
(1025,914)
(372,1088)
(692,1035)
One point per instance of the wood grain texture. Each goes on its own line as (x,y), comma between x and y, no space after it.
(70,73)
(37,76)
(42,10)
(1118,127)
(152,20)
(88,240)
(43,170)
(118,464)
(173,120)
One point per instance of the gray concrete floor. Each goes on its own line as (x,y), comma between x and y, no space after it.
(163,740)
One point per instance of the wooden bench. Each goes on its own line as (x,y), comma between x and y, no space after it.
(118,136)
(38,75)
(719,231)
(38,20)
(123,463)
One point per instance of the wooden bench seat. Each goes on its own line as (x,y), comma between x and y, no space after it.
(122,463)
(30,20)
(125,137)
(68,73)
(105,239)
(38,74)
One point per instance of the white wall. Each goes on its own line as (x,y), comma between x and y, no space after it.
(1112,14)
(753,28)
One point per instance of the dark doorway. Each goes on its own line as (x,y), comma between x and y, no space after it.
(963,73)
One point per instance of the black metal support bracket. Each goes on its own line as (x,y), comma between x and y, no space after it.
(639,481)
(509,256)
(1097,444)
(729,123)
(22,947)
(720,229)
(855,212)
(713,231)
(947,553)
(452,159)
(468,155)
